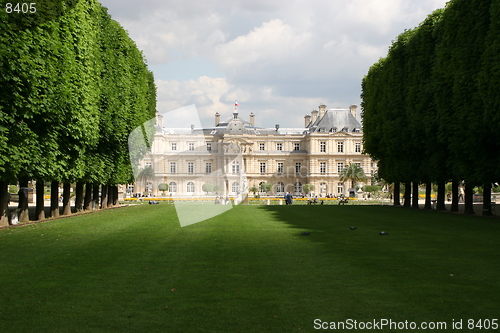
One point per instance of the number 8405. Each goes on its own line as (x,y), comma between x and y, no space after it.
(20,7)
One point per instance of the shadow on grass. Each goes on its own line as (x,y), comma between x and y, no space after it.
(430,266)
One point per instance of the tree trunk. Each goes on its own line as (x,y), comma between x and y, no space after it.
(66,199)
(79,197)
(110,195)
(454,196)
(407,202)
(428,192)
(487,200)
(88,196)
(441,196)
(469,199)
(54,199)
(40,200)
(415,198)
(115,197)
(104,196)
(95,196)
(23,212)
(397,189)
(4,206)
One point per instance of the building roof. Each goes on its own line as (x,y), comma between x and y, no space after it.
(333,120)
(336,120)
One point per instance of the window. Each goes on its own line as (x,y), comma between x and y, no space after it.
(173,145)
(340,167)
(298,187)
(190,187)
(190,167)
(358,164)
(297,167)
(340,188)
(322,146)
(173,167)
(279,146)
(280,187)
(357,147)
(235,187)
(209,146)
(191,145)
(322,168)
(149,164)
(262,167)
(235,167)
(296,146)
(172,187)
(281,167)
(340,147)
(208,167)
(261,146)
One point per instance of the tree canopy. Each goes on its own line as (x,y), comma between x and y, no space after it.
(73,85)
(430,108)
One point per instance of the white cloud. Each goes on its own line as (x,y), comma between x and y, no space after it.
(272,41)
(278,58)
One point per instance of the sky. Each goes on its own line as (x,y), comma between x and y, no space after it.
(280,59)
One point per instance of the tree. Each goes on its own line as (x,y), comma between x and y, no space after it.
(147,173)
(163,187)
(308,188)
(372,188)
(354,173)
(266,187)
(253,189)
(217,188)
(207,187)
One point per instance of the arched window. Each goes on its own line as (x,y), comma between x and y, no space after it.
(298,187)
(235,188)
(280,188)
(190,187)
(172,187)
(235,167)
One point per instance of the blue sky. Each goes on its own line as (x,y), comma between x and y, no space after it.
(280,59)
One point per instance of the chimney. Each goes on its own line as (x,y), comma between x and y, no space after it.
(217,118)
(314,116)
(307,120)
(252,119)
(353,110)
(322,111)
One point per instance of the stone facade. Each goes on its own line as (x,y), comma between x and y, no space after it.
(236,156)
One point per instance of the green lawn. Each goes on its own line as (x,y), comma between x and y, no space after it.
(135,269)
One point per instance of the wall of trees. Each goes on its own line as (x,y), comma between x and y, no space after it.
(431,107)
(73,85)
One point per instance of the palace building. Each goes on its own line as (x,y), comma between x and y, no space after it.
(235,155)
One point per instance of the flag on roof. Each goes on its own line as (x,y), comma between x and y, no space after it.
(235,103)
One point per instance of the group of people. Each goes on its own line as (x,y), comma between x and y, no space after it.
(221,201)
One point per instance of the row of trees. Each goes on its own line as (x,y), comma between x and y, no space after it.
(73,85)
(430,108)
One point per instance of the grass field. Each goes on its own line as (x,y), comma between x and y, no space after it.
(135,269)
